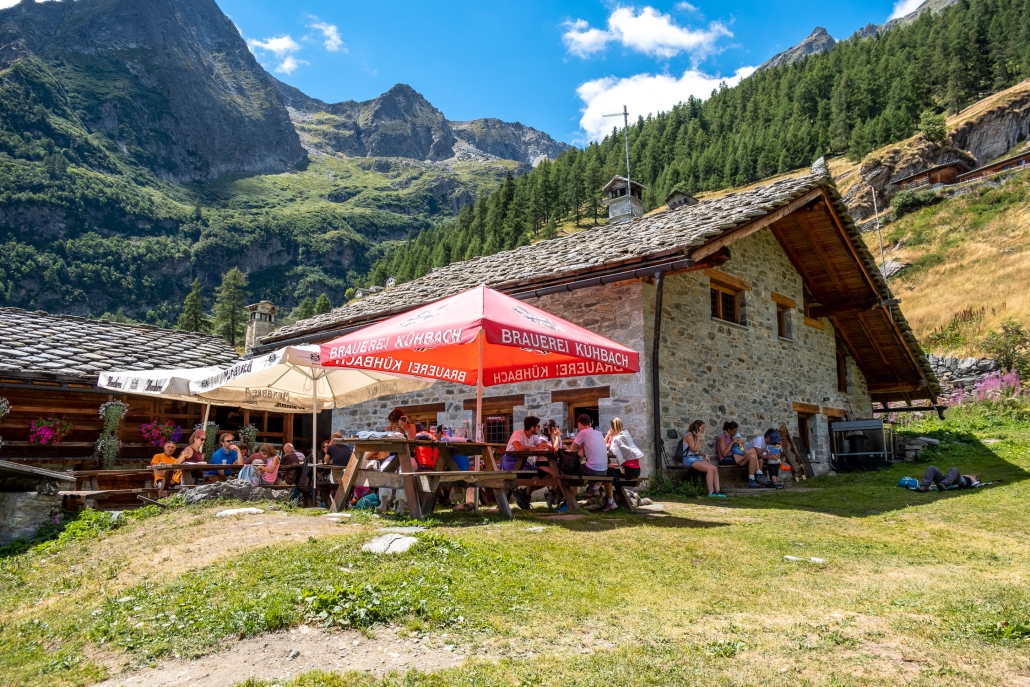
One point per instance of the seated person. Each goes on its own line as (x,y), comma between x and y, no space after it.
(756,451)
(589,444)
(695,458)
(194,453)
(291,463)
(162,477)
(952,480)
(225,454)
(425,456)
(526,438)
(269,470)
(627,455)
(772,463)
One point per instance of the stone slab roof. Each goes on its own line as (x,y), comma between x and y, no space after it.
(663,233)
(671,233)
(78,349)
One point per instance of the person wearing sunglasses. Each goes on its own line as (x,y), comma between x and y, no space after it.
(225,454)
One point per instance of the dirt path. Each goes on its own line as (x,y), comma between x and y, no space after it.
(284,655)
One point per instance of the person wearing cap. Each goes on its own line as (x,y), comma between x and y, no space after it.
(953,480)
(758,450)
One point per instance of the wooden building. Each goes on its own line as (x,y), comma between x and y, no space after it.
(763,307)
(944,174)
(1016,162)
(49,366)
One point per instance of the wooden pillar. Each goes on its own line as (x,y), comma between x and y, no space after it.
(287,428)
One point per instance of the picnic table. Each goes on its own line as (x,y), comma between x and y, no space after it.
(554,478)
(421,486)
(188,468)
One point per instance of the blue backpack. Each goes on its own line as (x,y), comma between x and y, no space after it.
(369,501)
(908,483)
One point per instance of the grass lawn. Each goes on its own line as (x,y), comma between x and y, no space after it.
(915,588)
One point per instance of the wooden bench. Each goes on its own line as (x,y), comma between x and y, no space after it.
(75,498)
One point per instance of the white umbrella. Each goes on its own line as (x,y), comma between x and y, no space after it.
(171,384)
(292,379)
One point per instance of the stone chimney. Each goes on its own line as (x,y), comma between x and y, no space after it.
(623,207)
(261,323)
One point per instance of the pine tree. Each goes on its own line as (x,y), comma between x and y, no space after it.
(550,230)
(230,301)
(198,211)
(323,305)
(193,318)
(305,310)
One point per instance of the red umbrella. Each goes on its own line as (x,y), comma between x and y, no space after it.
(483,338)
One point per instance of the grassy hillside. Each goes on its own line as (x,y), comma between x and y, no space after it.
(913,588)
(969,258)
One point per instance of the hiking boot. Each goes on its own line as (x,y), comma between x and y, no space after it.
(777,485)
(609,507)
(752,484)
(562,509)
(922,489)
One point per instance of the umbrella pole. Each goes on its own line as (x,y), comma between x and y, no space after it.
(314,451)
(207,413)
(479,406)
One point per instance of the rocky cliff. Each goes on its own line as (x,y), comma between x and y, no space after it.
(402,123)
(170,83)
(818,42)
(983,132)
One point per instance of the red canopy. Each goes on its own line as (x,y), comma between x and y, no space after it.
(520,343)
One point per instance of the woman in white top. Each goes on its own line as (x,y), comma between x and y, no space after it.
(627,455)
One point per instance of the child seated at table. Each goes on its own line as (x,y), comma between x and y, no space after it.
(425,456)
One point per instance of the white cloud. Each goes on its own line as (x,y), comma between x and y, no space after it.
(685,7)
(283,48)
(333,42)
(4,4)
(647,31)
(903,7)
(644,94)
(583,41)
(289,64)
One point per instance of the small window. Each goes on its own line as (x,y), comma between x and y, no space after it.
(842,373)
(497,428)
(782,322)
(724,304)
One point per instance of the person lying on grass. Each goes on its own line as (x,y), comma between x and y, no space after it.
(694,457)
(952,480)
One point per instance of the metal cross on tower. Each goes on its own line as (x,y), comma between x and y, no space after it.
(625,118)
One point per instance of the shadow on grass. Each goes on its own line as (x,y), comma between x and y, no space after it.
(861,494)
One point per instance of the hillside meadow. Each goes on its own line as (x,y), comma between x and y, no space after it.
(920,588)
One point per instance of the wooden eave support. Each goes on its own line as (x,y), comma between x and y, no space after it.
(896,387)
(817,311)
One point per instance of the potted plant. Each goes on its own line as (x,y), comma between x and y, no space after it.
(49,430)
(159,433)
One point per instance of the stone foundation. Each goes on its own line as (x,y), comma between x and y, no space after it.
(23,513)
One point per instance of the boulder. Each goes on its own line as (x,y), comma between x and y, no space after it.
(390,543)
(234,489)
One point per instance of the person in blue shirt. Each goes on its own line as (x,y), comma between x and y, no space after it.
(225,454)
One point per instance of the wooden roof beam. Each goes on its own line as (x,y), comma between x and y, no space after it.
(843,308)
(896,387)
(824,256)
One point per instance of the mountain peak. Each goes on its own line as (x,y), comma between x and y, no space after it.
(819,41)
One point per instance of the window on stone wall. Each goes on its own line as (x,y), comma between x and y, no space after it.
(725,303)
(842,372)
(497,428)
(783,322)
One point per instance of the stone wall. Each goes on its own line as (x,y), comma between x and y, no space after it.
(710,370)
(716,371)
(961,373)
(23,513)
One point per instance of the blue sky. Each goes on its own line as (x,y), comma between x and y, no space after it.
(556,66)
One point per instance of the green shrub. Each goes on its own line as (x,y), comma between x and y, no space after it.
(690,488)
(905,202)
